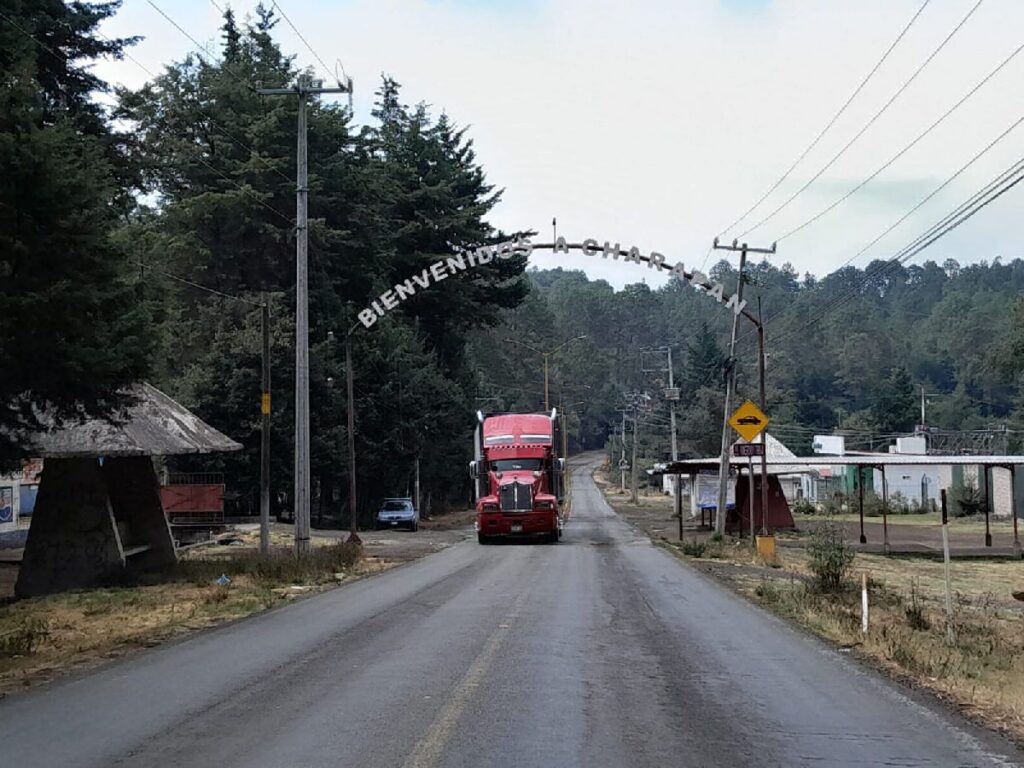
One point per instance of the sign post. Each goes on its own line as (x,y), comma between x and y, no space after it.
(750,450)
(750,421)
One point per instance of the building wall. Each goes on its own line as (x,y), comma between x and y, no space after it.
(17,495)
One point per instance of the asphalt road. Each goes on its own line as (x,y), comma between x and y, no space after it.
(600,651)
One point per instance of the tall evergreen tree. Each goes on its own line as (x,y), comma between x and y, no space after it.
(73,323)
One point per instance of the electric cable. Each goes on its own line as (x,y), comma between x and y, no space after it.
(865,127)
(905,149)
(910,212)
(303,39)
(830,123)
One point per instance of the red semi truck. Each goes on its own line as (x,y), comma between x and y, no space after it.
(517,476)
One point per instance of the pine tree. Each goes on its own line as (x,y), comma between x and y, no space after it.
(73,322)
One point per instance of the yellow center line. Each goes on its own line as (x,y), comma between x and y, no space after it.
(429,749)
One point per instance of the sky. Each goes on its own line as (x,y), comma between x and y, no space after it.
(658,123)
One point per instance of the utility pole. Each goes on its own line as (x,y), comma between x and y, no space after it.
(265,434)
(671,394)
(303,89)
(353,535)
(622,461)
(673,398)
(636,432)
(730,383)
(547,356)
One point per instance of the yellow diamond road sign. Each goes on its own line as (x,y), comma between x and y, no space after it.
(748,420)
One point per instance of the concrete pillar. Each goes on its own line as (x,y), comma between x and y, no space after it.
(73,539)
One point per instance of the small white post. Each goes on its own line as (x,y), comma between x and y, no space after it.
(950,629)
(864,603)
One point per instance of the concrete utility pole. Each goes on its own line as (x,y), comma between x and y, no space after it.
(730,384)
(302,89)
(671,394)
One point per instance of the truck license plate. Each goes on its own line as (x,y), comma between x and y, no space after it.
(517,528)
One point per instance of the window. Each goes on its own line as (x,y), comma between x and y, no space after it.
(396,506)
(511,465)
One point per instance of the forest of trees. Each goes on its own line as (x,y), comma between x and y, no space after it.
(849,352)
(107,215)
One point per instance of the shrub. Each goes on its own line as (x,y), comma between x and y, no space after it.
(803,507)
(915,611)
(830,557)
(24,639)
(767,591)
(693,548)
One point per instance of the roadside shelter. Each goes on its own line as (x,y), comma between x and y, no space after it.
(98,505)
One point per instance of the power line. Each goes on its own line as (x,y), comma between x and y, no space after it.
(988,194)
(199,286)
(866,126)
(905,149)
(201,48)
(304,41)
(914,209)
(830,123)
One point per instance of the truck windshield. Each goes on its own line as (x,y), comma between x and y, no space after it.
(509,465)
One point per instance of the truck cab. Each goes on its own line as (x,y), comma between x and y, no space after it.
(517,477)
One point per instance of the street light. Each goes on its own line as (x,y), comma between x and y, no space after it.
(546,355)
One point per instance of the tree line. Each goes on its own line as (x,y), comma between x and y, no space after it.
(110,216)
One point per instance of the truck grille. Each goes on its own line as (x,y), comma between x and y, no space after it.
(516,497)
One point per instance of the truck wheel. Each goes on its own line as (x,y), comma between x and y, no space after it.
(553,537)
(481,539)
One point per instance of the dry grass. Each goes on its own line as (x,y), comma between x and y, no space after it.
(41,637)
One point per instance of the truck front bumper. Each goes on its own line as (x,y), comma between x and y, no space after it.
(529,524)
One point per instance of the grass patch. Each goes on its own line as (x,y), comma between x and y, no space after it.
(40,636)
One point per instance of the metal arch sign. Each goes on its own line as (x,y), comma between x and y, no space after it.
(465,259)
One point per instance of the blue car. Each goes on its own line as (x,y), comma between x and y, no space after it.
(398,513)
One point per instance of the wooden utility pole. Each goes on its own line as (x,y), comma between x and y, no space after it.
(730,385)
(265,434)
(636,431)
(303,89)
(353,535)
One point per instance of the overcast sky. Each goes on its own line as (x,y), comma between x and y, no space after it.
(656,124)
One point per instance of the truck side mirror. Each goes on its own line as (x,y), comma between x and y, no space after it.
(474,472)
(561,465)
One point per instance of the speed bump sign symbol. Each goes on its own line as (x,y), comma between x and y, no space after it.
(749,421)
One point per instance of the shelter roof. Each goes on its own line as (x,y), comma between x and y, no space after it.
(802,463)
(153,425)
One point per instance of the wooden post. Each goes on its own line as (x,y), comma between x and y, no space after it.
(750,486)
(860,492)
(679,503)
(1013,507)
(885,511)
(988,506)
